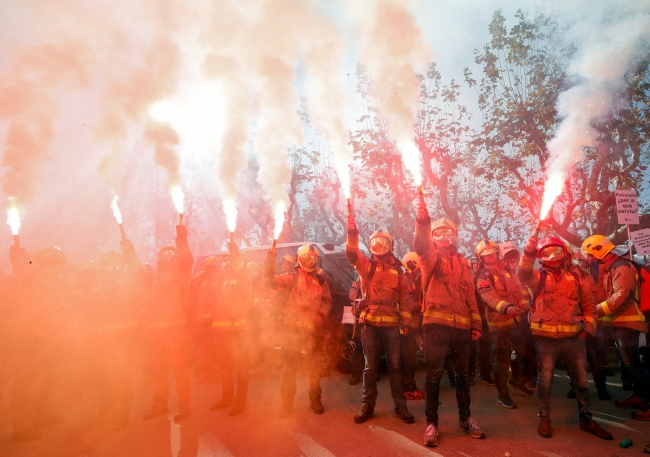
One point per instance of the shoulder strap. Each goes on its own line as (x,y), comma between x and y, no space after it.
(373,268)
(430,276)
(542,283)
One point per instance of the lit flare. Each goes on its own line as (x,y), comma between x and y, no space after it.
(410,158)
(552,189)
(116,209)
(13,219)
(230,209)
(177,197)
(278,219)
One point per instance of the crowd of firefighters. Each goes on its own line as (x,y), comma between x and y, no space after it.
(227,319)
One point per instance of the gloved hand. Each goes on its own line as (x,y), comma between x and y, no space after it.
(531,245)
(423,214)
(233,248)
(512,310)
(352,222)
(18,256)
(475,335)
(181,234)
(269,260)
(127,247)
(405,331)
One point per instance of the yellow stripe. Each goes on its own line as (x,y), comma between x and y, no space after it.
(628,319)
(570,278)
(204,316)
(556,328)
(307,325)
(476,317)
(499,305)
(372,318)
(591,320)
(523,302)
(229,323)
(394,271)
(502,323)
(448,317)
(405,314)
(167,324)
(606,309)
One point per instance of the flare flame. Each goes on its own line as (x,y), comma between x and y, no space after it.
(230,209)
(410,158)
(116,209)
(278,219)
(13,219)
(552,190)
(177,197)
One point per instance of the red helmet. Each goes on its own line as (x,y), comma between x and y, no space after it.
(551,251)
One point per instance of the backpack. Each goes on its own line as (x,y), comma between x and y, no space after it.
(642,296)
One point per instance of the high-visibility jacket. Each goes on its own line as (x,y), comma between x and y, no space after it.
(231,307)
(563,306)
(450,298)
(389,300)
(620,307)
(309,299)
(207,292)
(261,306)
(415,288)
(498,289)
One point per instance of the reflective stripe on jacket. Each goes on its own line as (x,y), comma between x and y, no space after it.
(620,307)
(499,290)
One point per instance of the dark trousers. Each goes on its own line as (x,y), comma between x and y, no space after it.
(506,341)
(597,355)
(294,341)
(438,340)
(485,352)
(204,353)
(168,348)
(575,353)
(231,352)
(408,347)
(627,342)
(371,337)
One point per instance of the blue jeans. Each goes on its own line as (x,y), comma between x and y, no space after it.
(438,341)
(627,342)
(548,350)
(372,337)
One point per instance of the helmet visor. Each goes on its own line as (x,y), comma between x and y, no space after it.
(308,261)
(549,253)
(444,233)
(489,250)
(379,245)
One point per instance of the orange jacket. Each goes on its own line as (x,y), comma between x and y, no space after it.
(207,292)
(390,303)
(450,298)
(620,307)
(309,298)
(563,306)
(231,308)
(500,290)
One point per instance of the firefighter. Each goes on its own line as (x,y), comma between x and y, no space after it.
(263,318)
(39,311)
(230,327)
(564,314)
(288,265)
(207,283)
(165,325)
(387,313)
(451,319)
(620,311)
(408,341)
(111,327)
(504,304)
(308,304)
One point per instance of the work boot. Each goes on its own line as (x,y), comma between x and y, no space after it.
(472,427)
(403,413)
(521,387)
(183,411)
(506,401)
(365,413)
(595,429)
(634,402)
(416,394)
(431,436)
(354,379)
(571,393)
(544,429)
(285,411)
(603,393)
(316,405)
(156,410)
(488,380)
(643,415)
(224,403)
(29,434)
(237,409)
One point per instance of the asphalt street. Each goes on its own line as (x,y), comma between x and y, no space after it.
(258,431)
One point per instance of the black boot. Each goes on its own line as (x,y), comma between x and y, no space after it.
(316,404)
(365,413)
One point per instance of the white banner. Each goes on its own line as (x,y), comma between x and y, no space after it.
(641,240)
(627,207)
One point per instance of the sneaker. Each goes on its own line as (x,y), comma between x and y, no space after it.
(488,380)
(643,415)
(365,413)
(285,412)
(183,411)
(603,393)
(521,387)
(404,414)
(544,429)
(416,394)
(634,402)
(506,401)
(472,427)
(316,405)
(595,429)
(431,436)
(571,394)
(224,403)
(155,410)
(237,409)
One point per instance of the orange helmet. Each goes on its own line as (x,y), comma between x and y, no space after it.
(253,267)
(551,251)
(211,262)
(411,261)
(486,247)
(308,257)
(112,260)
(598,246)
(444,231)
(381,242)
(51,255)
